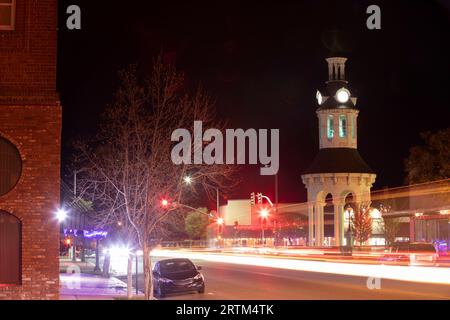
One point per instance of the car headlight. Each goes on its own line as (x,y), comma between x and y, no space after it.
(198,276)
(165,280)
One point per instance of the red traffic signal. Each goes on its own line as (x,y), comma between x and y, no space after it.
(164,203)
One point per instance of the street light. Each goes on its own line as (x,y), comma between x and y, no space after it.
(187,179)
(264,213)
(61,215)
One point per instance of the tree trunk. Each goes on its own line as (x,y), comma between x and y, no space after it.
(130,277)
(148,281)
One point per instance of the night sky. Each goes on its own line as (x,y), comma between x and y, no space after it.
(264,61)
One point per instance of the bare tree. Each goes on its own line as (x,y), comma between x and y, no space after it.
(362,222)
(128,169)
(391,225)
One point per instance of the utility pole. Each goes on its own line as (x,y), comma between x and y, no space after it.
(217,201)
(276,193)
(81,219)
(137,282)
(74,247)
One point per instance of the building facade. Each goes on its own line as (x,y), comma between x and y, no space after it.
(30,130)
(284,225)
(338,173)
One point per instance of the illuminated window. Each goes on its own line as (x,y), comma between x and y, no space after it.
(7,14)
(342,126)
(352,118)
(10,249)
(330,127)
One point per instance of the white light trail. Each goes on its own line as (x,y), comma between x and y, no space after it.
(404,273)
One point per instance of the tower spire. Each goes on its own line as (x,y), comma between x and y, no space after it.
(336,68)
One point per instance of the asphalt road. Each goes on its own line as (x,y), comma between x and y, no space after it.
(232,281)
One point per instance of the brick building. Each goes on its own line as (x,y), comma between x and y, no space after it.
(30,129)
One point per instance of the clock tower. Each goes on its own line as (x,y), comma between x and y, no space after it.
(338,170)
(30,130)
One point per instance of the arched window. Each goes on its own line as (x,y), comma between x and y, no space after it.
(10,249)
(353,126)
(342,126)
(330,127)
(10,166)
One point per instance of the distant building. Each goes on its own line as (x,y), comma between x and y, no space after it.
(30,130)
(244,225)
(422,210)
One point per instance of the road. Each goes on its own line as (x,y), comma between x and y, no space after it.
(235,281)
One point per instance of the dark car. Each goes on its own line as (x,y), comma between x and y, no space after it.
(177,275)
(414,253)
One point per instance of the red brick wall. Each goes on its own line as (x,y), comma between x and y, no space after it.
(28,53)
(30,117)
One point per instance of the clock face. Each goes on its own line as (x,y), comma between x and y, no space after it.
(319,97)
(342,95)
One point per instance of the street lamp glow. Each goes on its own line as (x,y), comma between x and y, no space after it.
(187,180)
(264,213)
(61,215)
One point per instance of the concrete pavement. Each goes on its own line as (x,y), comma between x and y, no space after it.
(79,282)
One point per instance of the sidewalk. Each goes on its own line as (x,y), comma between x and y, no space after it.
(79,282)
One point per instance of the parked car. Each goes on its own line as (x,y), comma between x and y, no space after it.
(414,253)
(177,275)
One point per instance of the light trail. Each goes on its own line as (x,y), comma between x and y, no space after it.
(404,273)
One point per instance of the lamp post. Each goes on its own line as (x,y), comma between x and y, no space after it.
(264,214)
(220,223)
(349,233)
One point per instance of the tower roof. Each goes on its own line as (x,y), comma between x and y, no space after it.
(338,160)
(336,82)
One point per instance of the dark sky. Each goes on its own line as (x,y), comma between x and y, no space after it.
(264,61)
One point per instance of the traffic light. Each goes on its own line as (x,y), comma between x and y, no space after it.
(259,194)
(164,203)
(252,198)
(220,223)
